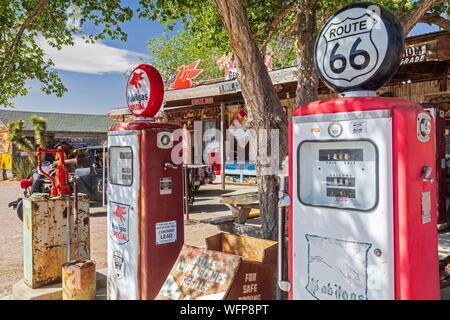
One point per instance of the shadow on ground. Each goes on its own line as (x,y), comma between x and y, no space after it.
(211,193)
(205,208)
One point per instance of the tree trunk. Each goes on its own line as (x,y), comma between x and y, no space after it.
(263,105)
(308,81)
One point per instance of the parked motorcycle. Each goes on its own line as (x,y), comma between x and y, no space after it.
(87,167)
(37,183)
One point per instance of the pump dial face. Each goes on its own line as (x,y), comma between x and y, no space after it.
(335,130)
(338,174)
(424,127)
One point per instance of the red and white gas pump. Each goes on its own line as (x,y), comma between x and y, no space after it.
(362,173)
(145,199)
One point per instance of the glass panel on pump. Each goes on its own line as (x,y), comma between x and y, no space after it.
(343,175)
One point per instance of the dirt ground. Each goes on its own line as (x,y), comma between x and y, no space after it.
(11,246)
(206,206)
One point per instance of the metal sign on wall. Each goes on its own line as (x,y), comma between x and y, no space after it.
(414,54)
(202,101)
(359,48)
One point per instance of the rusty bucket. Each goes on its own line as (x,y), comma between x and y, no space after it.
(79,280)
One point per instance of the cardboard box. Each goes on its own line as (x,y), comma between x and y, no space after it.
(255,276)
(230,268)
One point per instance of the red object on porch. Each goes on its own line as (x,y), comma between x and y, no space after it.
(26,183)
(215,164)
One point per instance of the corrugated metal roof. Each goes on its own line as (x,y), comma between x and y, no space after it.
(61,122)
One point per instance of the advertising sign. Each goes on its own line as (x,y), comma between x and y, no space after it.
(200,274)
(186,75)
(145,91)
(120,225)
(359,48)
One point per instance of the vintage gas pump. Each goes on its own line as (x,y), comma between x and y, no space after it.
(362,220)
(55,225)
(438,115)
(145,200)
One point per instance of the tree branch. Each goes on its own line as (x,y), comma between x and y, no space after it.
(400,8)
(276,19)
(416,13)
(437,20)
(11,52)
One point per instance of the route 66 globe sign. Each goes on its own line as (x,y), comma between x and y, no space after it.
(359,48)
(145,91)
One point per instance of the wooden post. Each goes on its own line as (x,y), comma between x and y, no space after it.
(186,191)
(222,145)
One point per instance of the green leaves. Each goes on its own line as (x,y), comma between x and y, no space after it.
(204,36)
(168,54)
(21,57)
(39,125)
(16,136)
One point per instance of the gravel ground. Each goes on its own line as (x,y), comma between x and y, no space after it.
(11,255)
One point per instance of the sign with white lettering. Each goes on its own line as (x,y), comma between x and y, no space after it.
(200,274)
(359,48)
(145,91)
(230,86)
(414,54)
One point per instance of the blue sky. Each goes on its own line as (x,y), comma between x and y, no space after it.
(94,75)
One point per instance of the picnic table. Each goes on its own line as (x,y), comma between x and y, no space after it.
(243,206)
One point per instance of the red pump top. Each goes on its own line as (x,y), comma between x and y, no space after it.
(352,104)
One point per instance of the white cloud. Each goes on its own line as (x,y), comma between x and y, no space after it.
(92,58)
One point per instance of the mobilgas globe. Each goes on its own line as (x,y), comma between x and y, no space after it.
(145,91)
(138,91)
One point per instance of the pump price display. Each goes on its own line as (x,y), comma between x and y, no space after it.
(121,166)
(341,155)
(338,174)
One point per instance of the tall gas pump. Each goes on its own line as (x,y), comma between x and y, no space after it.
(362,219)
(145,199)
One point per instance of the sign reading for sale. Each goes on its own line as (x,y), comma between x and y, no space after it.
(120,223)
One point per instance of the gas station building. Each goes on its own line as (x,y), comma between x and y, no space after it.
(78,130)
(423,77)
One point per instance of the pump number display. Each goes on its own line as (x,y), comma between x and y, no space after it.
(343,174)
(121,166)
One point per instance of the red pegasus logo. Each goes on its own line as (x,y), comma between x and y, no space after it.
(119,213)
(185,75)
(136,80)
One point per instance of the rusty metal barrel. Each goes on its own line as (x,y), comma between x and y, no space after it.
(79,280)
